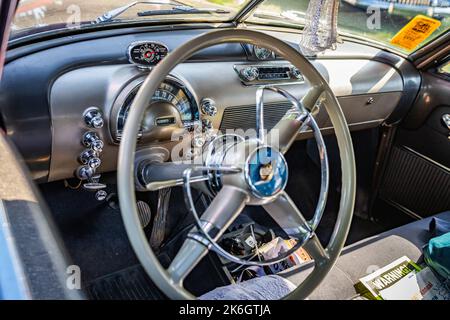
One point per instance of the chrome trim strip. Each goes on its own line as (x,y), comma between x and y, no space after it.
(407,211)
(350,125)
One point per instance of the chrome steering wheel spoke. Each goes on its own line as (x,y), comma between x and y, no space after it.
(288,217)
(316,250)
(222,211)
(284,133)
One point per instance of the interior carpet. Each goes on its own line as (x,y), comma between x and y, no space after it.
(128,284)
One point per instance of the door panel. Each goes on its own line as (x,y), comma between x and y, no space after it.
(416,176)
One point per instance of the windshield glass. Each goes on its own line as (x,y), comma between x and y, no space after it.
(373,20)
(35,16)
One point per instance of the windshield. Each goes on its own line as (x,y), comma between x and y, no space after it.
(372,20)
(33,16)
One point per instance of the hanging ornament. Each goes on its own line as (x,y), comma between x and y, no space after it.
(320,32)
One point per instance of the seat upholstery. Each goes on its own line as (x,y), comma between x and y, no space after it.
(364,257)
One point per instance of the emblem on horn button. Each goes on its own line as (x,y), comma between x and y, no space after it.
(266,172)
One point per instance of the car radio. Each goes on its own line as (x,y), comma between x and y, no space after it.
(268,74)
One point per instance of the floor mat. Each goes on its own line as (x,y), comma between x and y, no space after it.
(127,284)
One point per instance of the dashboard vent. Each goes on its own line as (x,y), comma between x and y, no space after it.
(244,117)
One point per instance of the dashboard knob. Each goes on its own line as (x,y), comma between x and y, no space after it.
(101,195)
(97,145)
(93,141)
(86,155)
(93,118)
(94,162)
(208,107)
(85,172)
(96,122)
(250,73)
(295,72)
(206,125)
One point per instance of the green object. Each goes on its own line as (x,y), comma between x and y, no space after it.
(437,255)
(371,286)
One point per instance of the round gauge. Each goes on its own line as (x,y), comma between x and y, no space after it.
(262,53)
(146,54)
(170,91)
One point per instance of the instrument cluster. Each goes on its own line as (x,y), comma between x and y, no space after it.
(172,92)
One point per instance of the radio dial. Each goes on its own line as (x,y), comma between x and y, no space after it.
(296,73)
(250,73)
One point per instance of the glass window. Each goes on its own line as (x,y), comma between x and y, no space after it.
(374,20)
(34,16)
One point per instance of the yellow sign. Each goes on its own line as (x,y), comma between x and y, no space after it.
(416,31)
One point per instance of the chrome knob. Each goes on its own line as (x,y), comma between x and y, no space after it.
(85,172)
(208,107)
(446,120)
(101,195)
(250,73)
(94,162)
(206,125)
(93,118)
(96,122)
(92,140)
(97,145)
(86,155)
(295,72)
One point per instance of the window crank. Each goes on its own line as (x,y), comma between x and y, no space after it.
(446,121)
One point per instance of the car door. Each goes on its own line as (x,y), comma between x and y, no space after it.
(414,173)
(33,262)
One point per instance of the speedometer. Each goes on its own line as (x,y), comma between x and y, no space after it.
(172,92)
(169,92)
(146,54)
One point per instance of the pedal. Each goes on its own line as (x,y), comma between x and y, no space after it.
(159,224)
(145,213)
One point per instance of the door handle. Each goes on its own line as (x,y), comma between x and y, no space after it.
(446,121)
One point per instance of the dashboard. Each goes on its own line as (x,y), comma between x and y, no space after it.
(73,99)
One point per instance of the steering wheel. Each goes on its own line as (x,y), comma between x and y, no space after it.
(251,171)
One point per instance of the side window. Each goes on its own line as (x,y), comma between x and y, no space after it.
(444,69)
